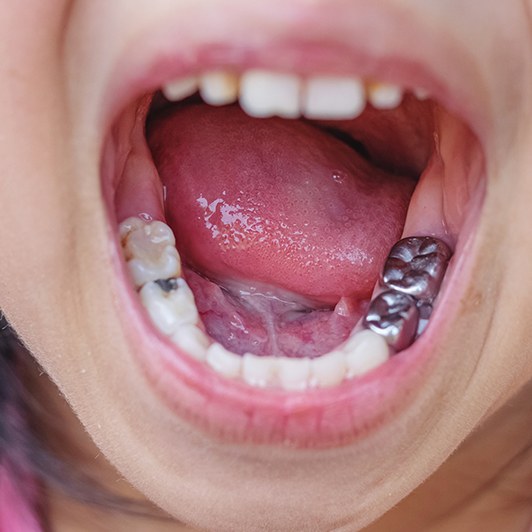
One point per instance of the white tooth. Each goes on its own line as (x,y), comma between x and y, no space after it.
(192,340)
(328,370)
(180,89)
(223,361)
(160,233)
(147,240)
(169,310)
(128,226)
(384,95)
(365,351)
(165,265)
(328,97)
(294,373)
(264,93)
(219,88)
(259,371)
(150,251)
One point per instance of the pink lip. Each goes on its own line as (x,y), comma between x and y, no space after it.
(231,410)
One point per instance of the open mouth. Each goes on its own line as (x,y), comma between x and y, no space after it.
(291,242)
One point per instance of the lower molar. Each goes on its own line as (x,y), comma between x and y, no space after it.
(155,267)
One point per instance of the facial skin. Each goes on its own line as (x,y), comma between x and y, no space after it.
(57,290)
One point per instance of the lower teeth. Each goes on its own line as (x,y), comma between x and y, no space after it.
(397,315)
(412,277)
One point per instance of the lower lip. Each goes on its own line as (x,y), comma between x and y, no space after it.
(231,411)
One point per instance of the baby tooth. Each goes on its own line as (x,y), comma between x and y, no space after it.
(224,362)
(425,311)
(416,266)
(147,240)
(128,226)
(150,251)
(294,373)
(264,94)
(385,96)
(166,264)
(328,370)
(169,310)
(394,316)
(364,352)
(180,89)
(328,97)
(259,371)
(219,88)
(192,341)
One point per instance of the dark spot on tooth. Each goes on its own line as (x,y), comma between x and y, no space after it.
(168,284)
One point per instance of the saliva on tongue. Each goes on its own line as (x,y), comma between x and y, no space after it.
(283,228)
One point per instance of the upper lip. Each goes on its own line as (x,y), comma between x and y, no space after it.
(379,42)
(382,42)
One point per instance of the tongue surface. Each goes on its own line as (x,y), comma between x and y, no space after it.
(278,210)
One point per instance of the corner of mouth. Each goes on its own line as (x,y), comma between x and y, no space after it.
(231,409)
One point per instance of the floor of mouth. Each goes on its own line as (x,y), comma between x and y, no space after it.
(269,322)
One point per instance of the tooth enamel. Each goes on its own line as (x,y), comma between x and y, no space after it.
(166,264)
(328,97)
(219,88)
(180,89)
(328,370)
(150,251)
(294,373)
(259,371)
(365,351)
(264,93)
(384,95)
(223,361)
(192,340)
(169,310)
(148,240)
(128,226)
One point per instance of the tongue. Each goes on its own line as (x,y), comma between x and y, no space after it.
(277,208)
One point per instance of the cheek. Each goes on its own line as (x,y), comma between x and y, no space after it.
(38,278)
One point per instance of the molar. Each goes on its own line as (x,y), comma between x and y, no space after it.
(169,310)
(150,251)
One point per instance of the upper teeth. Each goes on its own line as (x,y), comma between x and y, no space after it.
(264,93)
(171,307)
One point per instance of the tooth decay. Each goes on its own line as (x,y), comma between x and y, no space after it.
(264,93)
(393,321)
